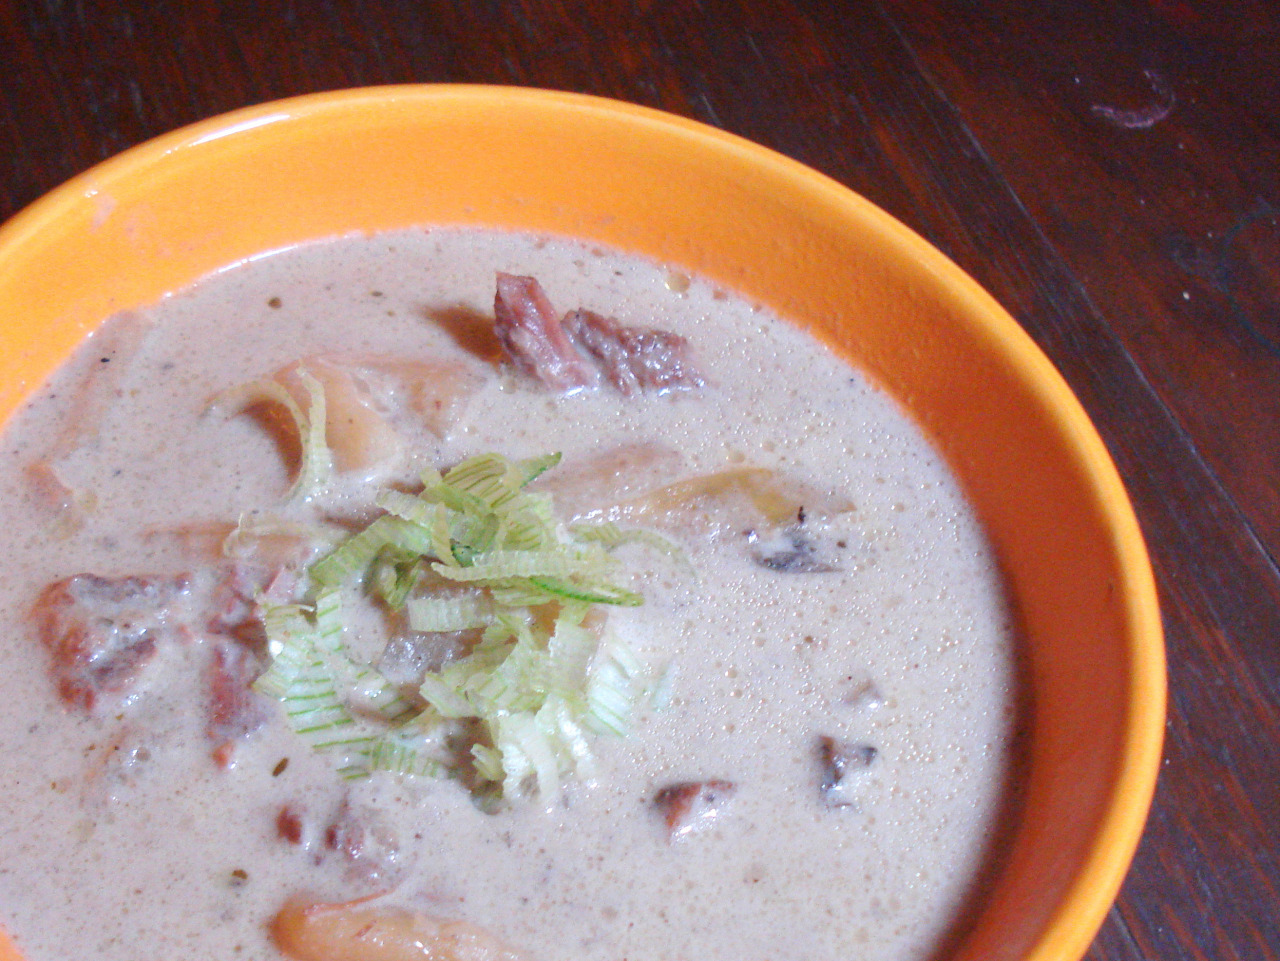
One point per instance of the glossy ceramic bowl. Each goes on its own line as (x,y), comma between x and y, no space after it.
(161,215)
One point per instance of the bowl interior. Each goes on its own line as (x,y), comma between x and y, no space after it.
(164,214)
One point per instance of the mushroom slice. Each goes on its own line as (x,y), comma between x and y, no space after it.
(843,765)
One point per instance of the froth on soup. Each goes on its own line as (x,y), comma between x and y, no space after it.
(801,743)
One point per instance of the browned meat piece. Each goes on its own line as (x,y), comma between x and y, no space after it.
(293,826)
(233,596)
(635,358)
(533,337)
(843,763)
(235,709)
(102,631)
(693,805)
(233,600)
(370,847)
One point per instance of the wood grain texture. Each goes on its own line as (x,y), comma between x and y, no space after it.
(1106,170)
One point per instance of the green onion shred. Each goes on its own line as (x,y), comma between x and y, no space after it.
(473,551)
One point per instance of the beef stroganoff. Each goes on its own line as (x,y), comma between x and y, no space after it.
(494,592)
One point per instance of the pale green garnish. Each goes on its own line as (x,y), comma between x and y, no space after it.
(472,551)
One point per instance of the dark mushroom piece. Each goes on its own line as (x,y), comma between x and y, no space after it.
(790,550)
(843,765)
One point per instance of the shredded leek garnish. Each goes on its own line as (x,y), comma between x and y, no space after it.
(473,551)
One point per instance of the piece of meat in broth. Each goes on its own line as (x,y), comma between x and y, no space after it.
(235,595)
(691,806)
(635,359)
(103,631)
(295,826)
(533,337)
(366,843)
(236,710)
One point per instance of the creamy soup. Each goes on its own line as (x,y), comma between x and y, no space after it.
(820,718)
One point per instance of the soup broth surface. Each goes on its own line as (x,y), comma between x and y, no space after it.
(123,837)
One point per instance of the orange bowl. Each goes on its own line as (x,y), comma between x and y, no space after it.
(162,215)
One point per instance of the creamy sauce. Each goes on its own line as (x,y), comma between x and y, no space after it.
(907,647)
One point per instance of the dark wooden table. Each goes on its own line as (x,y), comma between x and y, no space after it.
(1108,171)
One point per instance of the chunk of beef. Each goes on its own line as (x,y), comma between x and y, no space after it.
(236,710)
(233,601)
(691,806)
(293,826)
(843,765)
(103,631)
(635,359)
(369,846)
(533,337)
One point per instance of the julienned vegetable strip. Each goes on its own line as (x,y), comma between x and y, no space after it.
(475,552)
(316,466)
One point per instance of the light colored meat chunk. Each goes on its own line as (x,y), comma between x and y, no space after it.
(103,631)
(635,359)
(363,931)
(534,338)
